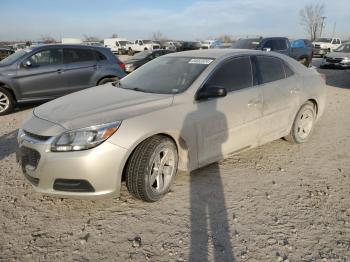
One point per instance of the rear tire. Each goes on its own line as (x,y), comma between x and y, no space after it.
(303,124)
(6,102)
(107,80)
(151,168)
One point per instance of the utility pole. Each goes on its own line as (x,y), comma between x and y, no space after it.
(334,26)
(322,24)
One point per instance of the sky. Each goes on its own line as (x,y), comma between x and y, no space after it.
(175,19)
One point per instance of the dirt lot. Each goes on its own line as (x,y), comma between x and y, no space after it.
(278,202)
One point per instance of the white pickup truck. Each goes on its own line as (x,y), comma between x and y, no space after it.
(322,46)
(141,45)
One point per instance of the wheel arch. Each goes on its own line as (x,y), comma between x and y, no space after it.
(179,142)
(314,102)
(103,77)
(8,88)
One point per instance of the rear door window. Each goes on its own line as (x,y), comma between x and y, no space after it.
(233,75)
(270,68)
(76,55)
(47,57)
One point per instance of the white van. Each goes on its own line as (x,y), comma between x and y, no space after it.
(117,45)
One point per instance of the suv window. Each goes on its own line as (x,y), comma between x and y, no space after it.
(281,44)
(47,57)
(99,56)
(233,75)
(270,68)
(74,55)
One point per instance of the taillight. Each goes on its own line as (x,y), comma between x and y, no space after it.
(122,65)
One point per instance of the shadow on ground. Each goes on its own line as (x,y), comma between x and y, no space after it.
(8,144)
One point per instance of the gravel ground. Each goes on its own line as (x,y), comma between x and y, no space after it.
(278,202)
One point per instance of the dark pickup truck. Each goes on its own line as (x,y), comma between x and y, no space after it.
(300,50)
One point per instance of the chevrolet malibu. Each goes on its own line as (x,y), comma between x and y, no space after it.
(181,111)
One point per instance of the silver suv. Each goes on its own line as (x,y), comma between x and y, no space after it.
(49,71)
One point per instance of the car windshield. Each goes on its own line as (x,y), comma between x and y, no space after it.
(14,57)
(166,75)
(250,43)
(345,48)
(324,40)
(123,43)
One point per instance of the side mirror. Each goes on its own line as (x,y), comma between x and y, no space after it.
(211,92)
(27,64)
(267,49)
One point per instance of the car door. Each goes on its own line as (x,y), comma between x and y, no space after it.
(231,123)
(280,88)
(40,75)
(80,65)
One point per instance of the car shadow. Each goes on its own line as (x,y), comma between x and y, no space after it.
(210,233)
(8,144)
(27,105)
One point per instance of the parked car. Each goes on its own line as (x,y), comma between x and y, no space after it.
(246,43)
(141,45)
(5,52)
(49,71)
(142,58)
(301,53)
(322,46)
(179,111)
(188,45)
(169,45)
(339,58)
(207,44)
(117,45)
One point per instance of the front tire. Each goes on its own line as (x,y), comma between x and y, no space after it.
(151,168)
(303,124)
(6,102)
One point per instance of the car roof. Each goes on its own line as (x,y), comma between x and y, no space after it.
(216,53)
(67,46)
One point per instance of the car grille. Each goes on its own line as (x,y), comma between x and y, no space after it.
(334,60)
(28,158)
(156,47)
(317,46)
(36,137)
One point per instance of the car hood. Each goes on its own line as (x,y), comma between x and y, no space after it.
(321,43)
(100,105)
(338,55)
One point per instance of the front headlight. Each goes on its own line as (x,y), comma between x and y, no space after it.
(84,138)
(346,60)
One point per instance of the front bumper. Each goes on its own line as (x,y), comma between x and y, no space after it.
(95,172)
(317,51)
(335,65)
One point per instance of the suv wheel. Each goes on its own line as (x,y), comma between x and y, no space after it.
(151,168)
(303,124)
(6,101)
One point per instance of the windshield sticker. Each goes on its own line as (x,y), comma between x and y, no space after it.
(200,61)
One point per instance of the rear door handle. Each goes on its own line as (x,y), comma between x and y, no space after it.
(254,102)
(295,90)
